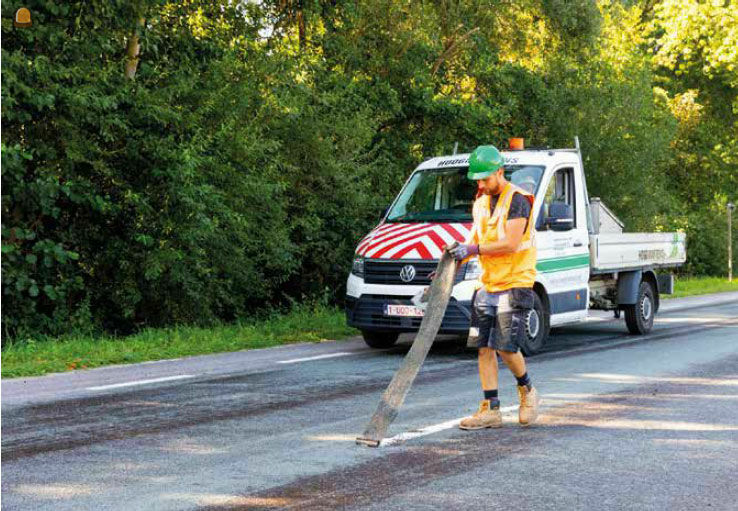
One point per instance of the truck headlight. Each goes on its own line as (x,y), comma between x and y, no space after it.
(358,267)
(473,270)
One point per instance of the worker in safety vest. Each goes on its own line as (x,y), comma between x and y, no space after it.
(503,237)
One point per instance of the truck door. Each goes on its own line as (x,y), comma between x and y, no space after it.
(563,246)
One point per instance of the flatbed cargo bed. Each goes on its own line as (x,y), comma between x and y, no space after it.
(611,252)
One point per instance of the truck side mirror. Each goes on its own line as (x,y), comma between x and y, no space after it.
(560,217)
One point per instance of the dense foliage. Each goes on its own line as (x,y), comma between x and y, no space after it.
(234,161)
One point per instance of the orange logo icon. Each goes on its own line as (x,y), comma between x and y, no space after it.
(22,18)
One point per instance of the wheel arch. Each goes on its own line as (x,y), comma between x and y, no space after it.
(630,281)
(650,276)
(540,290)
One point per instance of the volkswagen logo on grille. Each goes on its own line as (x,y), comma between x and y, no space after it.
(407,273)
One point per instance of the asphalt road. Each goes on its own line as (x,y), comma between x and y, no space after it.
(629,423)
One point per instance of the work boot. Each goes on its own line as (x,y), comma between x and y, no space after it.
(529,402)
(485,417)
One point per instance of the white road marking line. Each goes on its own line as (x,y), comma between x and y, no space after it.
(429,430)
(141,382)
(317,357)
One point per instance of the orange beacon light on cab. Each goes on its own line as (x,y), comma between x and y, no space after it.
(516,144)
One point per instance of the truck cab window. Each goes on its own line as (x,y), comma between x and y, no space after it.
(560,190)
(527,177)
(447,195)
(436,195)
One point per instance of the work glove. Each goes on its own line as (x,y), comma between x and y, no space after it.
(461,252)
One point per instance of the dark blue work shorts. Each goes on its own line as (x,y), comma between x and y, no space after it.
(498,319)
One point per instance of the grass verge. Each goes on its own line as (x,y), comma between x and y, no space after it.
(37,357)
(689,286)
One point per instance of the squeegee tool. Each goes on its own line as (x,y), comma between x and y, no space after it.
(394,396)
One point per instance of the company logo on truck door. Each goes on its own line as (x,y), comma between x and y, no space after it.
(411,241)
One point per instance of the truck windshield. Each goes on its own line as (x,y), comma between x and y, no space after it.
(446,195)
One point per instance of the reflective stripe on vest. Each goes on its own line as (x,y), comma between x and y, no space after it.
(509,193)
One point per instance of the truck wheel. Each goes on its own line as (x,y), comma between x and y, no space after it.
(639,317)
(537,326)
(379,340)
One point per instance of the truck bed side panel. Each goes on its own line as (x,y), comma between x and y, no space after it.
(628,251)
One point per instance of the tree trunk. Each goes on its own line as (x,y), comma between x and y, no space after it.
(301,25)
(133,48)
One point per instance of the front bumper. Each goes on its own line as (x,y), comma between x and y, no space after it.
(367,313)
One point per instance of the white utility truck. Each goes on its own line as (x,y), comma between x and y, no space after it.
(585,261)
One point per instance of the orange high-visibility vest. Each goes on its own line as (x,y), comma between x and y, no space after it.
(504,271)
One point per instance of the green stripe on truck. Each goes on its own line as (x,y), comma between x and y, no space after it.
(562,263)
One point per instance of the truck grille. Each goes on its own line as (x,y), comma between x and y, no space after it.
(367,313)
(388,272)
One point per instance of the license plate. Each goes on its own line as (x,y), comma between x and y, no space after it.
(410,311)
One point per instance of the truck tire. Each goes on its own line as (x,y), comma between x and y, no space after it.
(639,317)
(379,340)
(537,326)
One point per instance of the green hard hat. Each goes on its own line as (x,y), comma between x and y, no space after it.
(483,162)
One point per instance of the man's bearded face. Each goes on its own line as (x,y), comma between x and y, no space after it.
(490,185)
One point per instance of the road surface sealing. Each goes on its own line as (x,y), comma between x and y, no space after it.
(629,423)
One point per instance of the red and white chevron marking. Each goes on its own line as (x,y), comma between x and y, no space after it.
(411,241)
